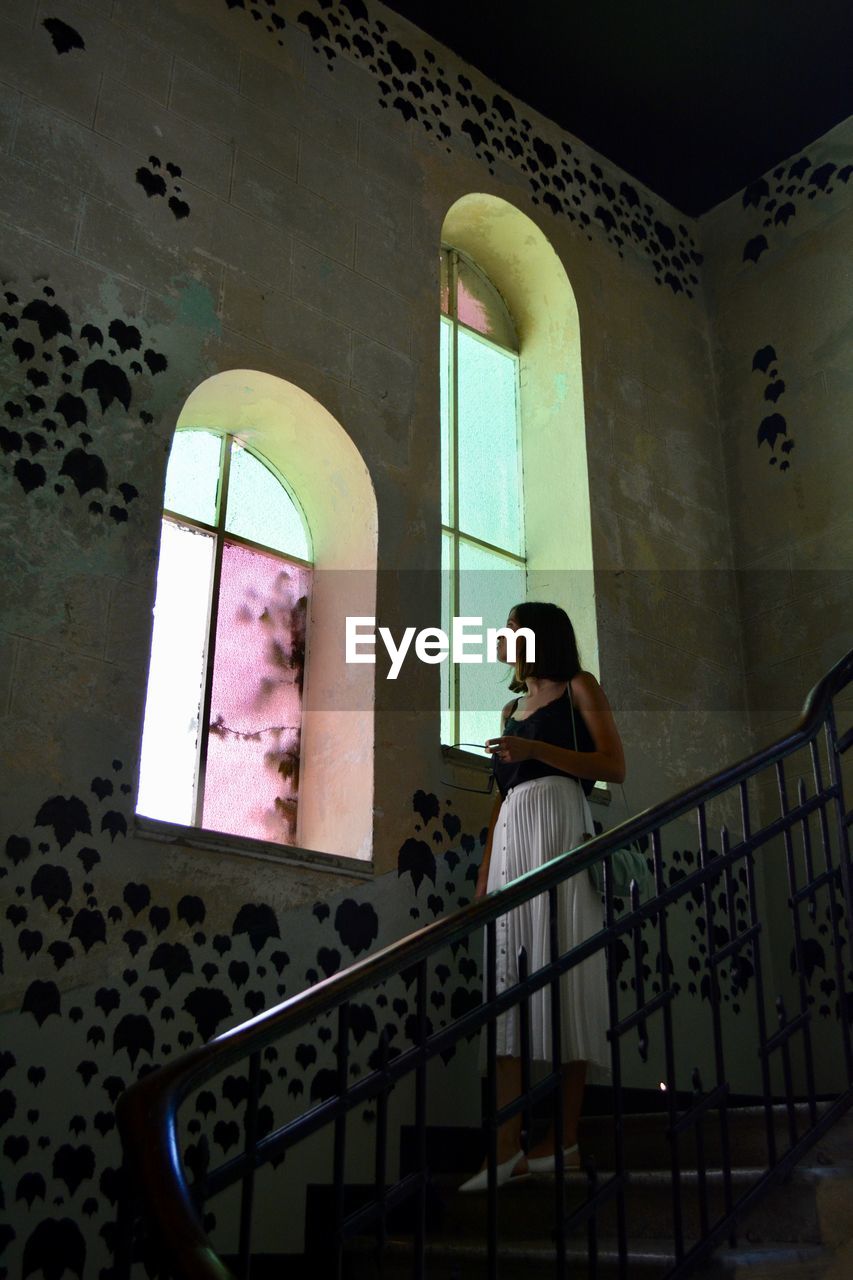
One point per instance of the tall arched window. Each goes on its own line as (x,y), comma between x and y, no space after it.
(220,746)
(482,509)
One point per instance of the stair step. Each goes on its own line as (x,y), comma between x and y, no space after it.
(791,1214)
(531,1259)
(647,1146)
(526,1259)
(771,1262)
(786,1236)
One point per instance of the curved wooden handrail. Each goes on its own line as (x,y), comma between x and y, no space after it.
(147,1111)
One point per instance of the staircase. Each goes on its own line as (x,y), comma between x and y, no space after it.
(793,1219)
(797,1231)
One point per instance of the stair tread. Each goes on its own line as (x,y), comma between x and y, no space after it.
(753,1109)
(744,1254)
(658,1177)
(779,1110)
(659,1250)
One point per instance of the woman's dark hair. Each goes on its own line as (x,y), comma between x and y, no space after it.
(556,647)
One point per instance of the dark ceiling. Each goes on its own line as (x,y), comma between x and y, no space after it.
(695,98)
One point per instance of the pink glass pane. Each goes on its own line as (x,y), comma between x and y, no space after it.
(481,307)
(472,311)
(252,776)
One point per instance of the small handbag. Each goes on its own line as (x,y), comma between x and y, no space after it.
(628,863)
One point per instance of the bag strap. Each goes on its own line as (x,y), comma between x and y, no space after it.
(575,740)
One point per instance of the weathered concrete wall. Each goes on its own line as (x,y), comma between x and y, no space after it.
(778,277)
(191,187)
(778,281)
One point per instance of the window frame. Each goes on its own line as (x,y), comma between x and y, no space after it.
(221,535)
(453,529)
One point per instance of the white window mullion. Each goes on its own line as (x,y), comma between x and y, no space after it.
(210,648)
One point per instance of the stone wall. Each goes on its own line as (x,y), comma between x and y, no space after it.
(778,276)
(190,187)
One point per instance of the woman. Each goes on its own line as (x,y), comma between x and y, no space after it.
(557,740)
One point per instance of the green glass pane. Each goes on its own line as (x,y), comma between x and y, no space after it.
(488,588)
(192,476)
(446,610)
(488,453)
(261,509)
(444,374)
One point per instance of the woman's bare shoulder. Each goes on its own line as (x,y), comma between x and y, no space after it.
(587,693)
(585,682)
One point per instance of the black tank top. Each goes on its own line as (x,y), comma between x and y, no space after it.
(549,723)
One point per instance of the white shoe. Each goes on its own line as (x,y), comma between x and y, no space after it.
(547,1164)
(503,1173)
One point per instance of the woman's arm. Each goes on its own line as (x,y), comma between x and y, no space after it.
(605,764)
(483,876)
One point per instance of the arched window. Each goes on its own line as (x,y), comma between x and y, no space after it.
(223,715)
(531,281)
(482,508)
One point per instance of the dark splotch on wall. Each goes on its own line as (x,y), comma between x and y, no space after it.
(63,376)
(179,973)
(65,38)
(774,425)
(558,175)
(153,182)
(778,197)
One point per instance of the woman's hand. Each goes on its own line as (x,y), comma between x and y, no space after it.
(482,886)
(510,749)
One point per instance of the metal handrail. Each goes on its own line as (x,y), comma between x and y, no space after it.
(147,1112)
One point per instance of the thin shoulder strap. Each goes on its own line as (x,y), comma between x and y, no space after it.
(572,709)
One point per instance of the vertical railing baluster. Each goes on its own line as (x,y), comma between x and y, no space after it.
(785,1050)
(731,893)
(716,1011)
(524,1039)
(248,1188)
(836,782)
(492,1102)
(639,984)
(701,1174)
(731,890)
(420,1120)
(669,1056)
(380,1179)
(837,945)
(758,974)
(616,1072)
(557,1068)
(802,981)
(807,849)
(809,868)
(592,1221)
(339,1158)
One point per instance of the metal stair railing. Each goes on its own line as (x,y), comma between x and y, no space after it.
(159,1197)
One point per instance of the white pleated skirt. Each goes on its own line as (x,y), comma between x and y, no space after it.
(538,821)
